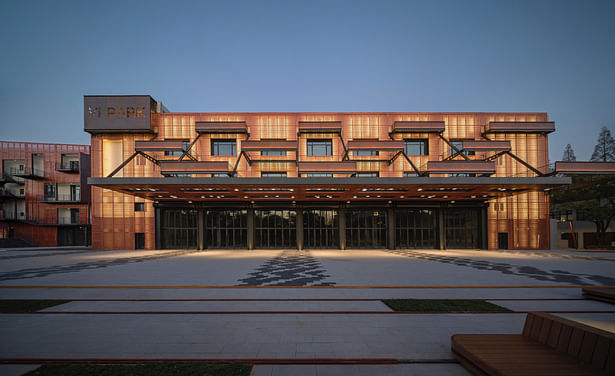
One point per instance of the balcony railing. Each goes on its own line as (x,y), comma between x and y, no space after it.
(59,198)
(56,221)
(68,166)
(28,172)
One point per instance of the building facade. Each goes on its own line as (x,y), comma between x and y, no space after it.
(44,196)
(316,180)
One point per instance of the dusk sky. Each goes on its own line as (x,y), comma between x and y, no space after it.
(291,56)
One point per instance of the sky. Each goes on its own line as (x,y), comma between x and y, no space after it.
(309,56)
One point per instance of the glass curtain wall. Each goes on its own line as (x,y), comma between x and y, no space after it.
(462,228)
(226,229)
(320,228)
(416,228)
(275,229)
(366,228)
(179,229)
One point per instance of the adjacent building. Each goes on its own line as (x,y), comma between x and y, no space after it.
(44,195)
(316,180)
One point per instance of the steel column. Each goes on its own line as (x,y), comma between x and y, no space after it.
(250,223)
(341,220)
(299,229)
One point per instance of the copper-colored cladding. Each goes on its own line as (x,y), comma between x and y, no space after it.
(585,167)
(168,145)
(315,127)
(268,145)
(521,127)
(376,145)
(524,216)
(187,167)
(333,167)
(418,126)
(39,224)
(221,127)
(486,145)
(471,167)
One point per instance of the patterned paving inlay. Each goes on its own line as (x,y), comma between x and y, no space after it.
(290,268)
(561,276)
(58,269)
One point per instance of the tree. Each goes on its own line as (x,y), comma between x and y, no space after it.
(605,148)
(593,198)
(569,154)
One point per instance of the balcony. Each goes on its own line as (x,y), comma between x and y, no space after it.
(69,167)
(418,127)
(498,146)
(192,167)
(221,127)
(461,167)
(167,145)
(27,173)
(346,167)
(388,145)
(59,199)
(520,127)
(597,168)
(277,145)
(7,194)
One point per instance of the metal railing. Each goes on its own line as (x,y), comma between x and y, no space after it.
(27,171)
(59,198)
(71,166)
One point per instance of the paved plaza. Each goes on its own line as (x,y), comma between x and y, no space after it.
(316,312)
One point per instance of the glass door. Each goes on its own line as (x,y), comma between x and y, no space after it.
(275,229)
(320,228)
(366,228)
(415,228)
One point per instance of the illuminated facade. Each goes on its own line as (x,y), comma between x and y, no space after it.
(316,180)
(44,195)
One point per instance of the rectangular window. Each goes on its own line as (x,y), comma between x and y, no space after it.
(223,147)
(408,174)
(185,146)
(50,191)
(273,174)
(273,153)
(219,175)
(416,147)
(366,175)
(319,148)
(139,206)
(462,175)
(318,175)
(459,145)
(139,240)
(370,153)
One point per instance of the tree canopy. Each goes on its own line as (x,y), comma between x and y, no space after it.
(605,148)
(569,154)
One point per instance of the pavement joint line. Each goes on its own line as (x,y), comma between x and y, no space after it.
(290,312)
(252,361)
(302,287)
(300,299)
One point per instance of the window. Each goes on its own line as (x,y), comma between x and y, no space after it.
(273,174)
(371,153)
(318,175)
(319,147)
(223,147)
(50,191)
(366,175)
(408,174)
(459,145)
(273,153)
(139,206)
(462,175)
(416,147)
(185,146)
(139,240)
(219,175)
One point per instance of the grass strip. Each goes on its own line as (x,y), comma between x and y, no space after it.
(26,306)
(443,305)
(154,369)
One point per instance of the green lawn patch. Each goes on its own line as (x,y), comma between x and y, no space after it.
(154,369)
(443,305)
(25,306)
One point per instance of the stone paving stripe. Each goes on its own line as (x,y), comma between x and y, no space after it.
(296,299)
(301,287)
(291,312)
(252,361)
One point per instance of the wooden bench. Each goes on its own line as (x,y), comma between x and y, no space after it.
(604,294)
(549,345)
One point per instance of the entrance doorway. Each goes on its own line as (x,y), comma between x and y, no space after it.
(320,228)
(462,228)
(226,229)
(502,240)
(179,228)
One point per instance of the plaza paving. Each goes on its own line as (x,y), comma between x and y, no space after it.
(282,306)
